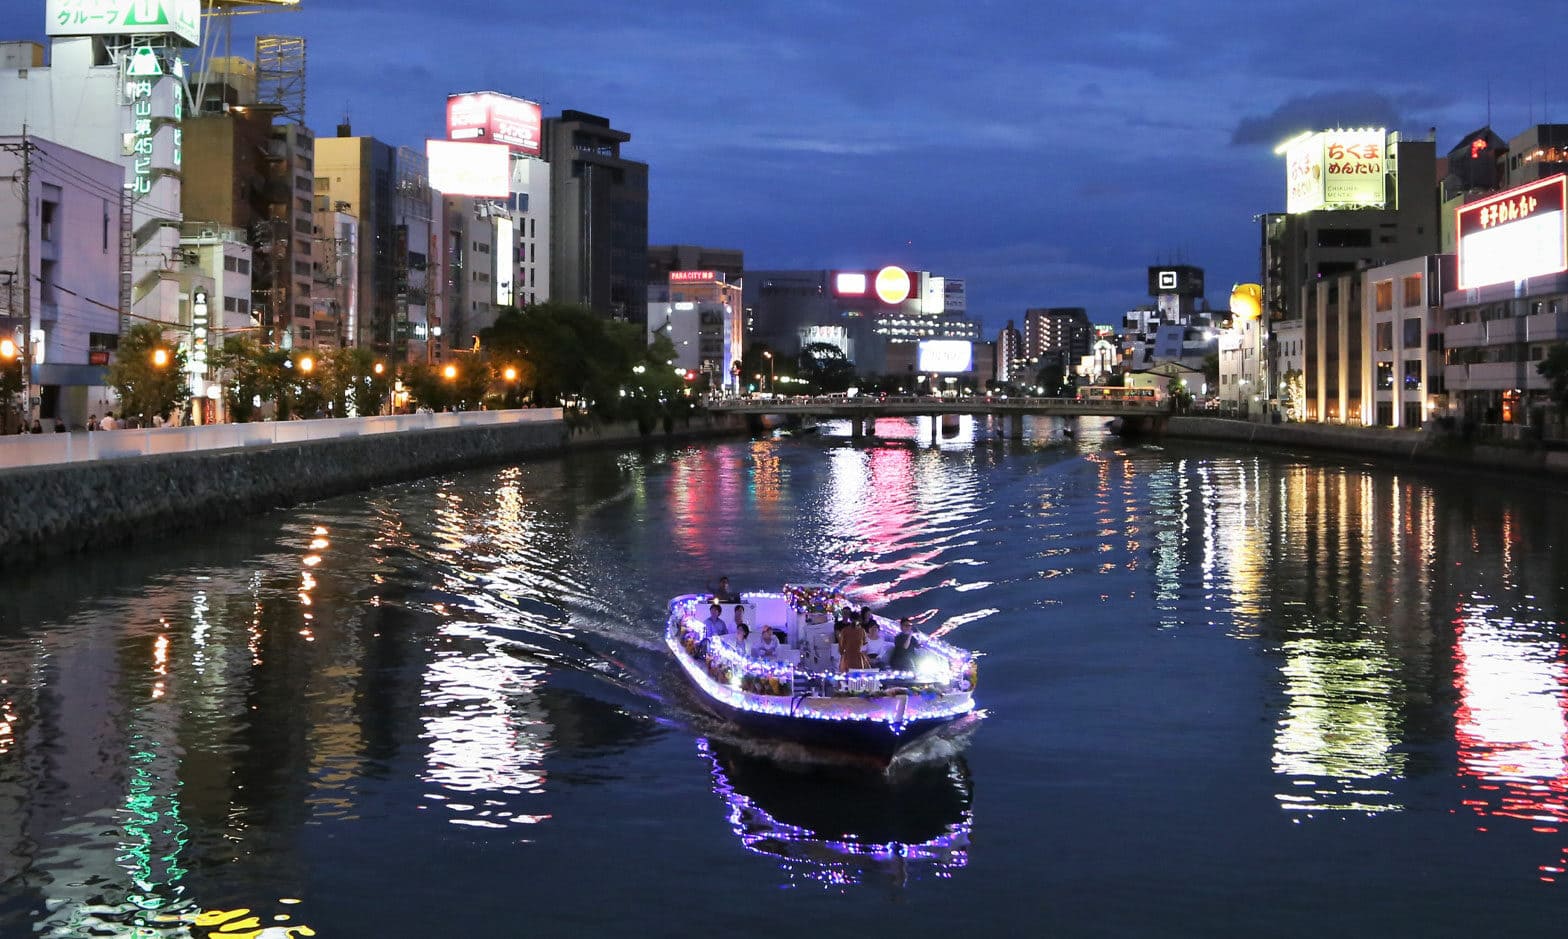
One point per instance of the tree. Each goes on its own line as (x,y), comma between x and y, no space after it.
(1211,369)
(1554,368)
(825,366)
(148,374)
(1051,378)
(351,383)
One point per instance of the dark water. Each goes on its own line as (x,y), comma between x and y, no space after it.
(1228,694)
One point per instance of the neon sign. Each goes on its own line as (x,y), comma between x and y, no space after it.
(892,285)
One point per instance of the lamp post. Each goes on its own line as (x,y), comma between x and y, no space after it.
(767,354)
(11,351)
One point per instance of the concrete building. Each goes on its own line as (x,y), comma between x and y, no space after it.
(1508,305)
(216,288)
(702,314)
(1402,374)
(861,311)
(662,259)
(1287,368)
(60,293)
(1010,366)
(598,217)
(119,98)
(1061,334)
(387,189)
(334,295)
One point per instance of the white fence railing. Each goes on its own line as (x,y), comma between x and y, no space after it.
(83,447)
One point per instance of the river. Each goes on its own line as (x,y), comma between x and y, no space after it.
(1227,693)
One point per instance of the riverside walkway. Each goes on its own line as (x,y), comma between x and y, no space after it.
(89,447)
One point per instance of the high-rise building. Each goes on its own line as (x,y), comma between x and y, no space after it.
(1060,334)
(1010,355)
(387,189)
(598,217)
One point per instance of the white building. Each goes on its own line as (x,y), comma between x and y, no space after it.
(1243,368)
(1401,378)
(119,97)
(65,308)
(215,304)
(1289,346)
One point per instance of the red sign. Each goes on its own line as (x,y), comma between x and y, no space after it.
(693,277)
(487,117)
(1515,235)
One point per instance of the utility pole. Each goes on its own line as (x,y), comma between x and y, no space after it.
(24,356)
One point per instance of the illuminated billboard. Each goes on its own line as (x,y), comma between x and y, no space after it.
(469,169)
(1337,169)
(1515,235)
(180,18)
(893,285)
(946,356)
(694,277)
(1183,280)
(505,253)
(487,117)
(849,284)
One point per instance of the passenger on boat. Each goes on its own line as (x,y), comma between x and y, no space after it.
(902,658)
(740,619)
(742,638)
(768,645)
(714,625)
(724,594)
(851,647)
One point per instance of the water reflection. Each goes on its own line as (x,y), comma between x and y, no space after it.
(842,828)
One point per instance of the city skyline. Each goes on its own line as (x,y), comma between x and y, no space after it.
(1046,168)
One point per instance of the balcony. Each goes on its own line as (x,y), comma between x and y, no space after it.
(1493,376)
(1542,327)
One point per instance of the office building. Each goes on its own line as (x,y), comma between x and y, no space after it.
(598,218)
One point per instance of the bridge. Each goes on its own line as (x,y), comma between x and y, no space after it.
(1139,416)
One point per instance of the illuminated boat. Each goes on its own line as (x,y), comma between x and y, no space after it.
(801,695)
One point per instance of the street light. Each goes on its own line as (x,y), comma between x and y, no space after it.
(307,364)
(449,373)
(766,354)
(160,357)
(510,374)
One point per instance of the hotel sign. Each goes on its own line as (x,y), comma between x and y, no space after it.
(181,18)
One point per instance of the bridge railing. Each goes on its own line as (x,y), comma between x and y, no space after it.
(82,446)
(976,402)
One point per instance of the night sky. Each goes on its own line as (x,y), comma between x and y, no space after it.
(1047,153)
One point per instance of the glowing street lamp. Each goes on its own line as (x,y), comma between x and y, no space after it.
(160,357)
(307,364)
(380,368)
(510,374)
(766,354)
(449,373)
(7,349)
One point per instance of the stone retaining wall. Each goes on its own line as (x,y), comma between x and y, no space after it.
(1415,446)
(55,510)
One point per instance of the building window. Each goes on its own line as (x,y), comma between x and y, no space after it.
(1385,376)
(230,262)
(304,184)
(1413,332)
(242,266)
(1383,291)
(1412,291)
(302,311)
(1385,333)
(1413,375)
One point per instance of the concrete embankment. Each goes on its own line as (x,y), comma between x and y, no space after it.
(47,511)
(1436,450)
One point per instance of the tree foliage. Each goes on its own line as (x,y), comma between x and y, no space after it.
(1554,368)
(826,367)
(145,388)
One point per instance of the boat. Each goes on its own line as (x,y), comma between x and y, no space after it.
(801,695)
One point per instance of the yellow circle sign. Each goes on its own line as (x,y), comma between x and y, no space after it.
(892,285)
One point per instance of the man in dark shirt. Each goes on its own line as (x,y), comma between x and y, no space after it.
(902,658)
(724,594)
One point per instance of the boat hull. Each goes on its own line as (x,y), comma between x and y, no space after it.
(877,739)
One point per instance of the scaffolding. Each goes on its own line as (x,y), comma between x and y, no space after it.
(280,75)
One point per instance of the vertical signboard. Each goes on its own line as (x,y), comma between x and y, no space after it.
(1515,235)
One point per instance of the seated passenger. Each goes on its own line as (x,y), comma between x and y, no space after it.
(742,638)
(905,644)
(714,625)
(768,645)
(740,618)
